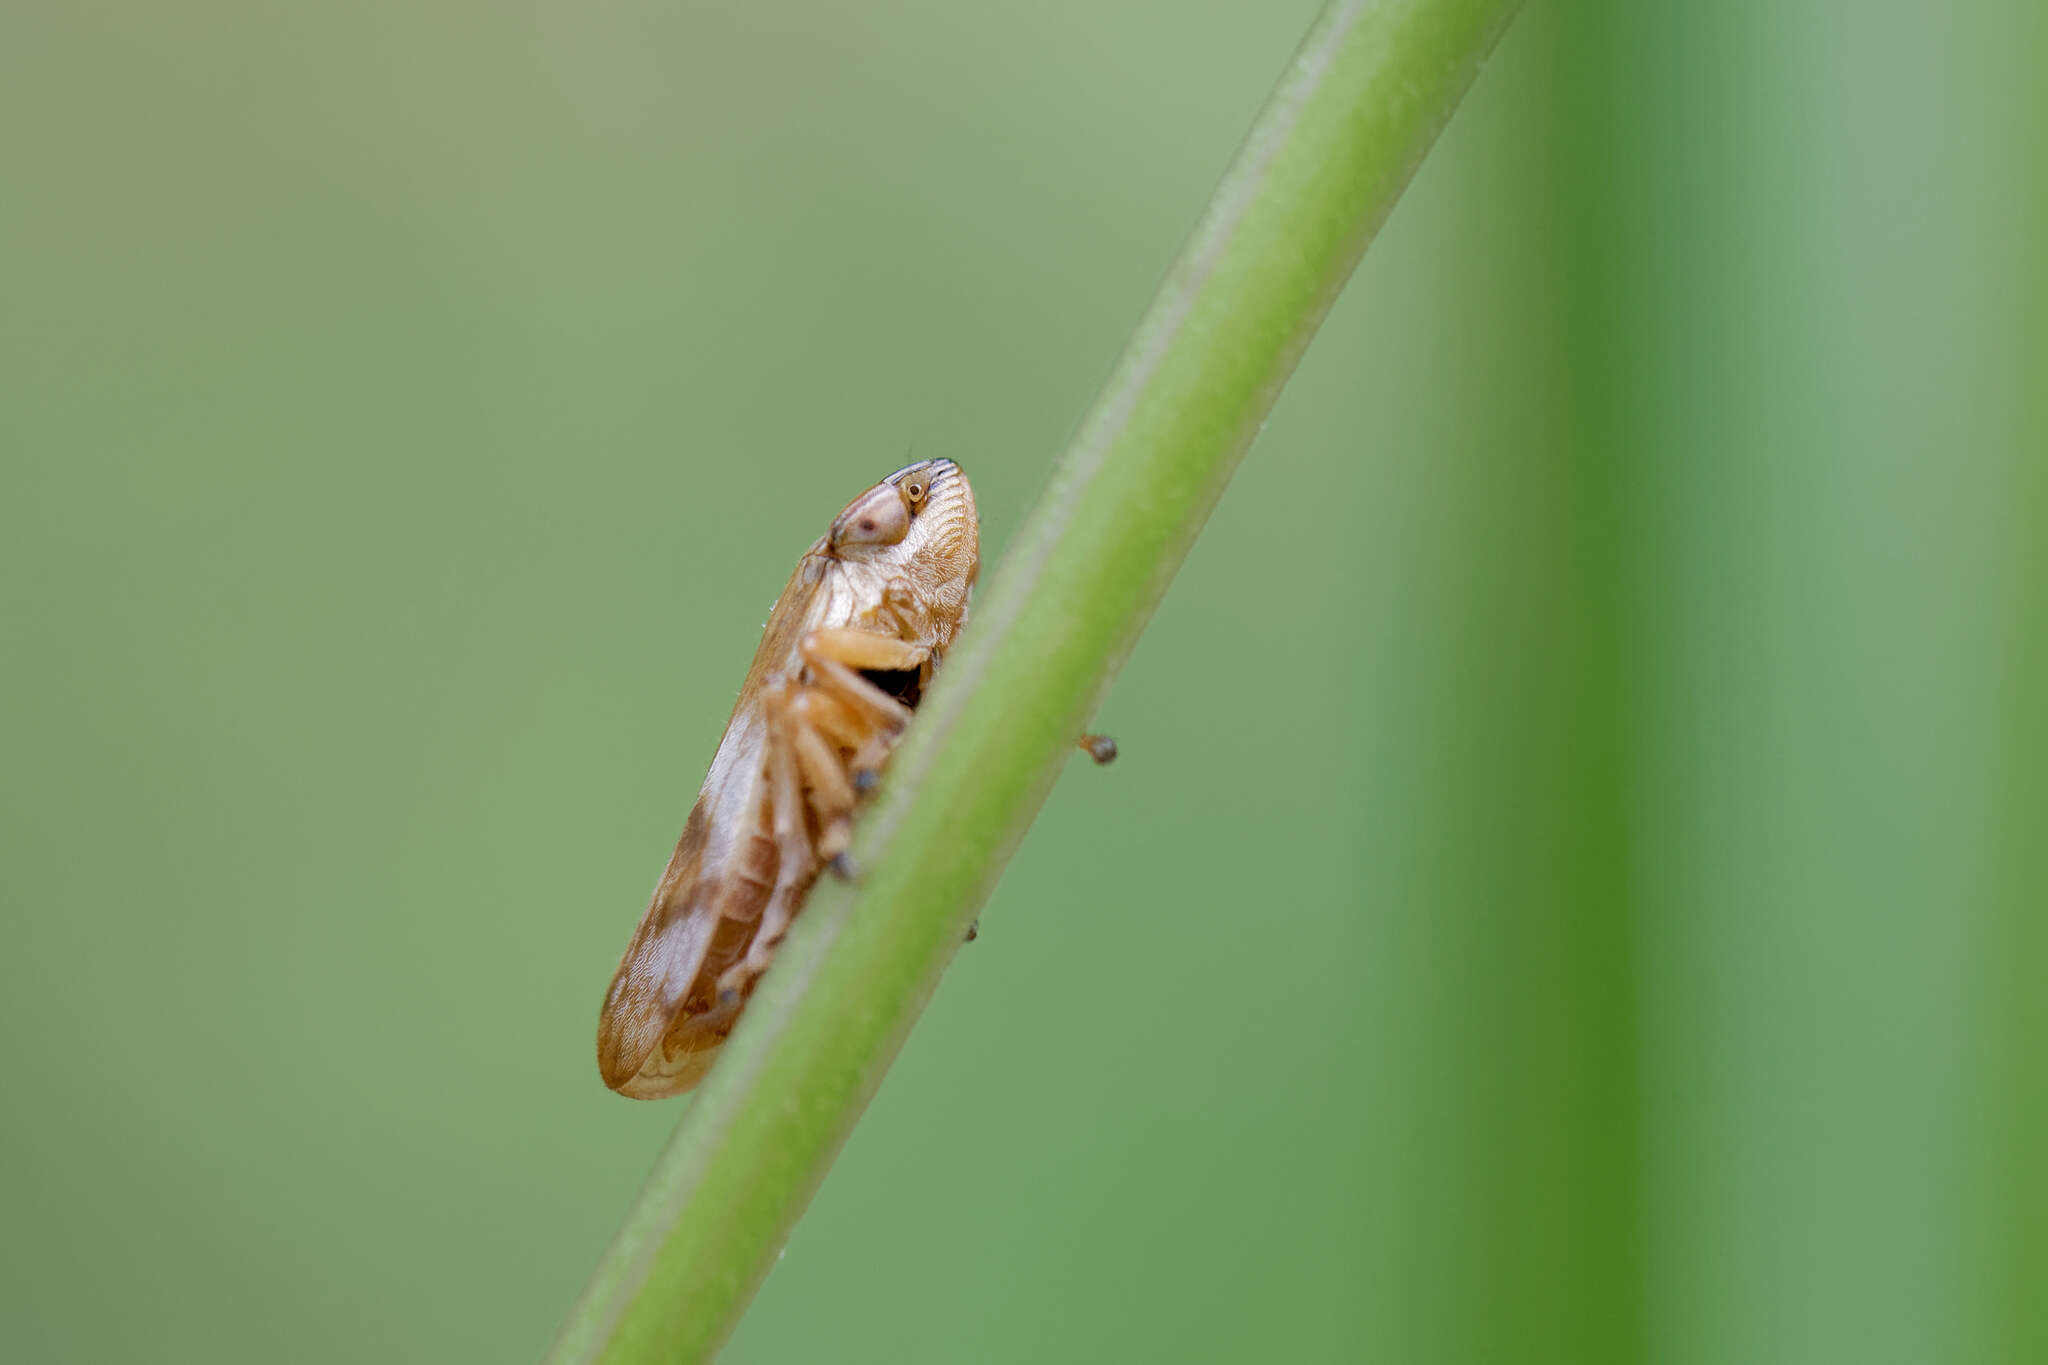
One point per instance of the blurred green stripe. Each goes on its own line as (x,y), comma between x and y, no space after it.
(1507,1072)
(1808,242)
(1722,747)
(2015,1192)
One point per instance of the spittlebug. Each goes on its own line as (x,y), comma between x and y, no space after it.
(845,656)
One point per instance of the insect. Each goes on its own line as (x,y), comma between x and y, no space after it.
(849,649)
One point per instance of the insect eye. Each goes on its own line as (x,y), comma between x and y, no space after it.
(877,517)
(914,489)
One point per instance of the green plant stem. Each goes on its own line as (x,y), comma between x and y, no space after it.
(1361,103)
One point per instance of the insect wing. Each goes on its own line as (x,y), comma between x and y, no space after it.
(654,975)
(649,1044)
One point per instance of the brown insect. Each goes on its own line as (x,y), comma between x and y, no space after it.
(849,649)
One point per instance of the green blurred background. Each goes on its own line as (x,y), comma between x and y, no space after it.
(1607,709)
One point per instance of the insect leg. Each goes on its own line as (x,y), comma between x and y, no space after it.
(850,687)
(885,716)
(798,861)
(832,793)
(833,656)
(862,649)
(856,735)
(819,710)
